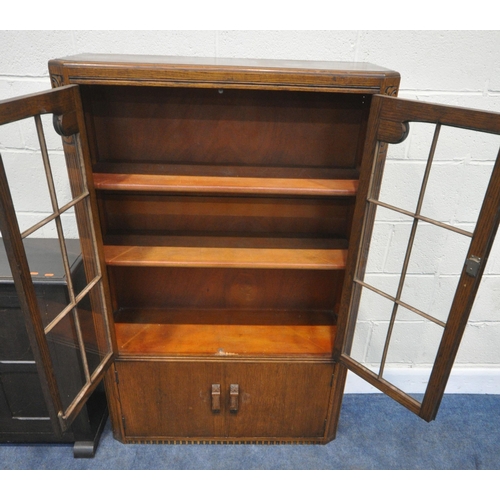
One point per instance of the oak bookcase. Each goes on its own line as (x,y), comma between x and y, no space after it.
(225,209)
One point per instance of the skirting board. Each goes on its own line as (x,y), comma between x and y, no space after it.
(414,381)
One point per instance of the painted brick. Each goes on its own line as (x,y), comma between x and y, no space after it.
(493,264)
(282,44)
(397,248)
(463,197)
(168,42)
(480,345)
(379,244)
(11,136)
(437,251)
(401,186)
(374,307)
(27,181)
(361,340)
(414,343)
(26,53)
(16,87)
(430,294)
(487,303)
(441,60)
(375,348)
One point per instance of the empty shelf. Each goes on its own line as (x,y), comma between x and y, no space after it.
(257,258)
(155,333)
(230,185)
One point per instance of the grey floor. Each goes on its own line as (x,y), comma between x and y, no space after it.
(374,433)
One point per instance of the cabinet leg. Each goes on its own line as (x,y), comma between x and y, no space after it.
(87,448)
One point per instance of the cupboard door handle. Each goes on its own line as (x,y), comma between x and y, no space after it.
(234,392)
(216,398)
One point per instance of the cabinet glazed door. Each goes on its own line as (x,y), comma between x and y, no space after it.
(383,321)
(70,336)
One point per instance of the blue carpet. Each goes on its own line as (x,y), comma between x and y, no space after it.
(374,433)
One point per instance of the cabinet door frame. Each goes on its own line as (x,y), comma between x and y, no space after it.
(65,104)
(388,124)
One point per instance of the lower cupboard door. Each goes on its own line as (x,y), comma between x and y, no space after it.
(278,400)
(224,400)
(163,400)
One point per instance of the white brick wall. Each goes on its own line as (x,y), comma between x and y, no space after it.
(456,68)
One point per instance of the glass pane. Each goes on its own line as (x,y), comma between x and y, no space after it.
(14,342)
(371,329)
(77,222)
(46,265)
(25,173)
(405,166)
(93,326)
(460,173)
(436,263)
(80,277)
(387,249)
(66,358)
(57,161)
(412,351)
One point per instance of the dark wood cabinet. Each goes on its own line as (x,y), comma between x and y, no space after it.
(225,210)
(23,412)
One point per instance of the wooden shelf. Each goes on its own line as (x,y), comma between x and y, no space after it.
(236,333)
(225,185)
(251,258)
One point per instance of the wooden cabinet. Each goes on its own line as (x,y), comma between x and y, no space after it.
(23,411)
(272,401)
(225,209)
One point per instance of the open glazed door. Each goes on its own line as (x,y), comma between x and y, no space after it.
(70,338)
(407,323)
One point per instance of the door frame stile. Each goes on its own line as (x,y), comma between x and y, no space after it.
(109,380)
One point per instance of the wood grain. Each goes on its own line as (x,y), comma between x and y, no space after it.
(219,215)
(235,127)
(220,289)
(254,258)
(232,185)
(155,70)
(224,340)
(162,400)
(225,191)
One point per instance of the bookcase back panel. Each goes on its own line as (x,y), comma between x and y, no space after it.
(204,288)
(308,217)
(226,127)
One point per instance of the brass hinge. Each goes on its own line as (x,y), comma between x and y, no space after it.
(331,380)
(124,425)
(116,377)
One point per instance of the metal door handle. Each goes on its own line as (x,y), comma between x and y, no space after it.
(234,392)
(216,398)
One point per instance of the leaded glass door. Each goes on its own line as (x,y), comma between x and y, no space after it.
(46,215)
(430,321)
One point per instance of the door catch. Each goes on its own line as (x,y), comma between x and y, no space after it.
(472,265)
